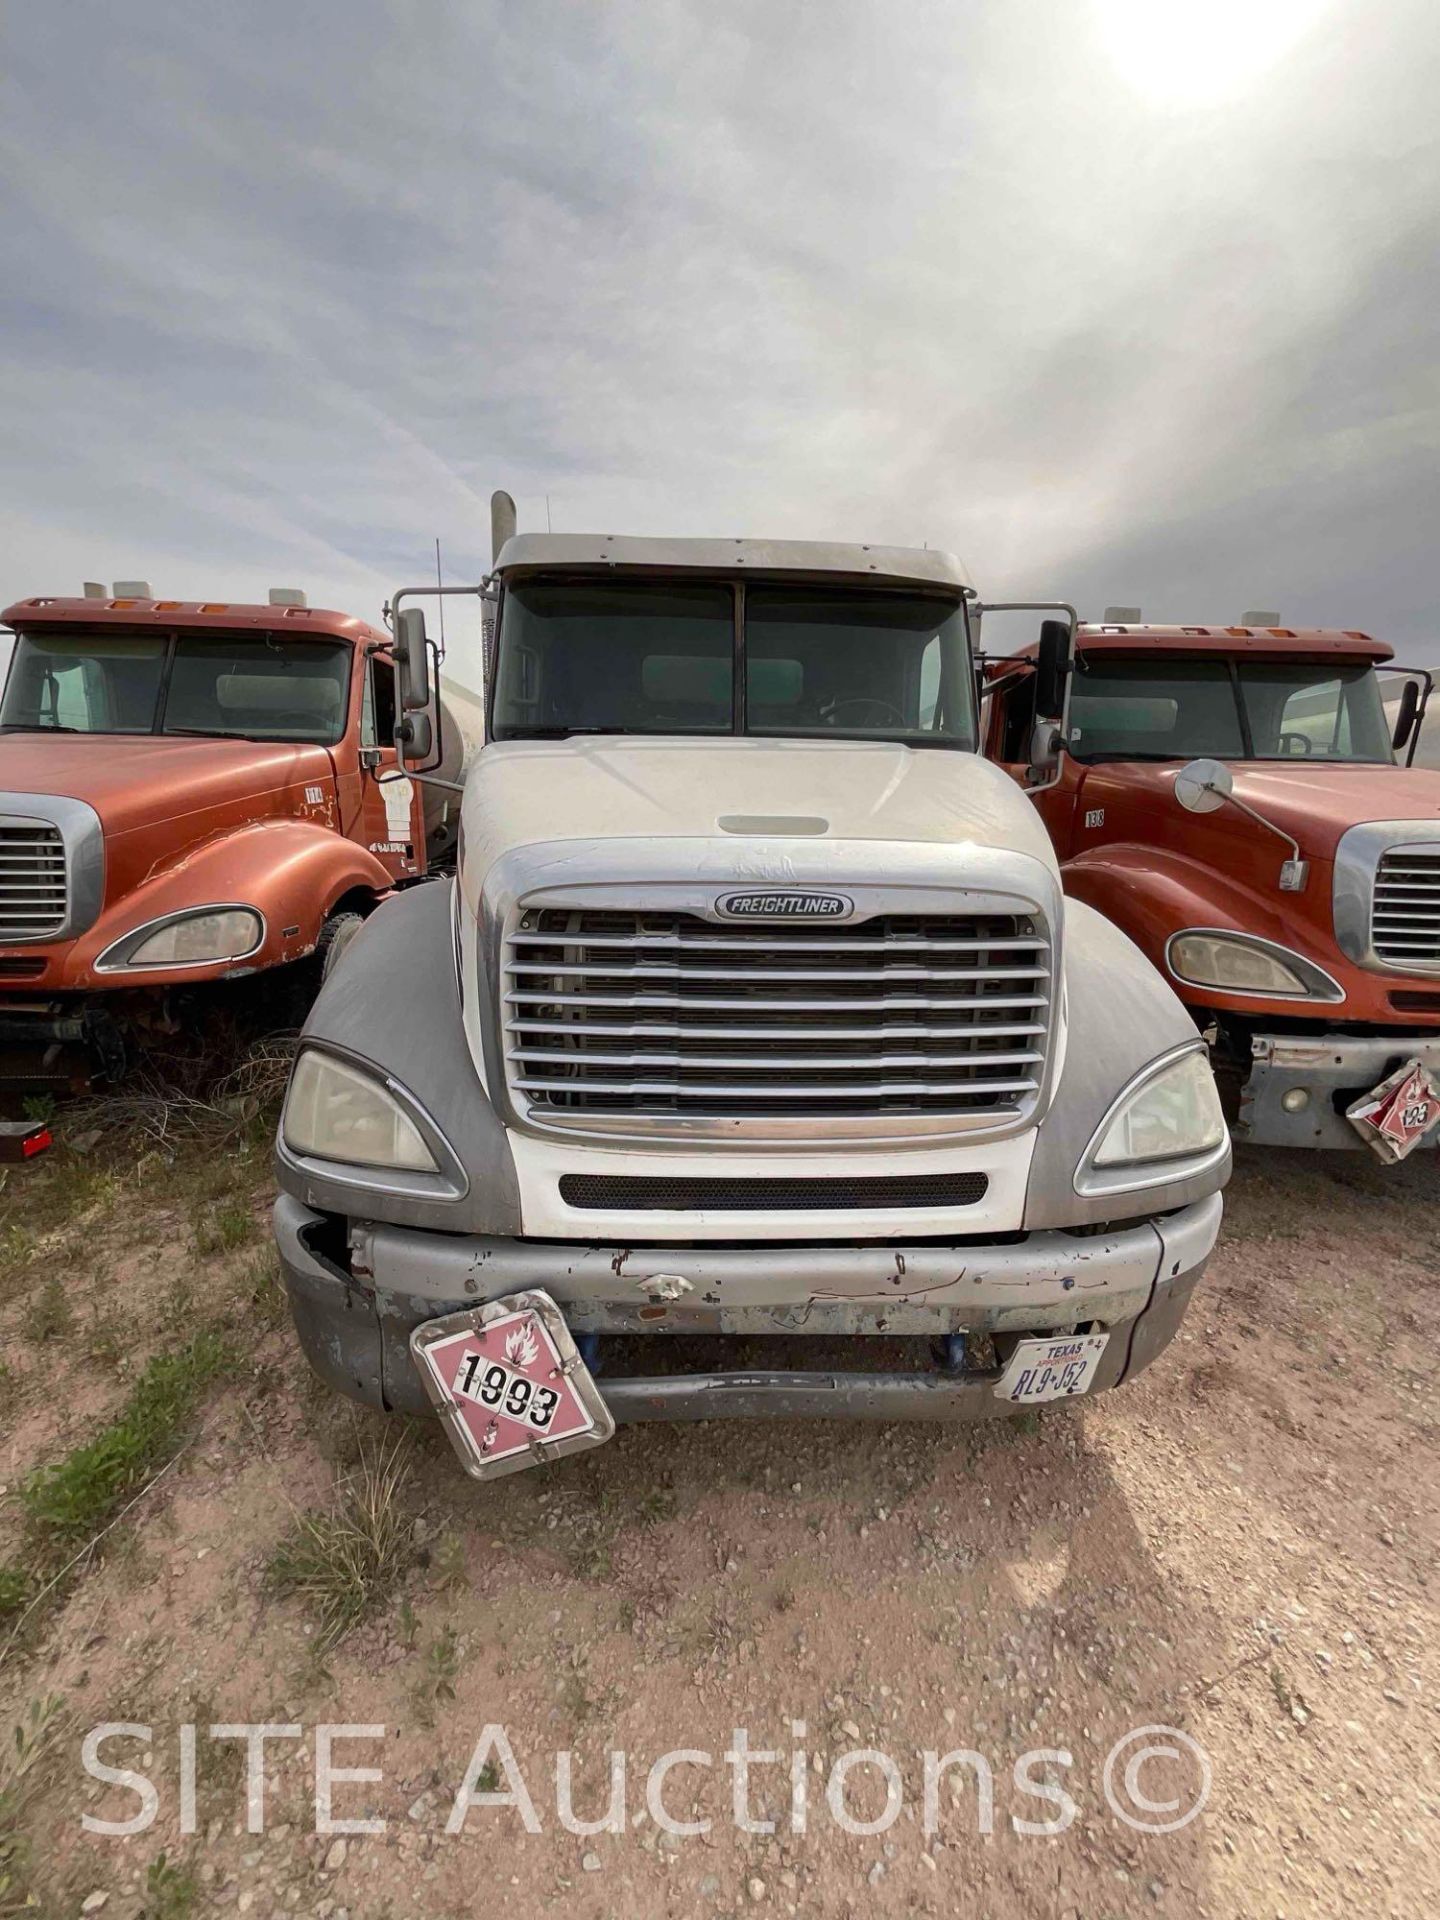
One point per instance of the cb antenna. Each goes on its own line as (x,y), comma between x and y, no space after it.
(440,581)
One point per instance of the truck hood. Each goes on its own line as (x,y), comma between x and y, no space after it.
(137,780)
(1316,804)
(525,791)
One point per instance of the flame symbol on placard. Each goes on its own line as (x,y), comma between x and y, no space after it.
(522,1349)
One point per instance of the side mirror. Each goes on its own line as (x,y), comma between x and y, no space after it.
(412,659)
(1045,744)
(1405,719)
(1051,668)
(1204,785)
(416,735)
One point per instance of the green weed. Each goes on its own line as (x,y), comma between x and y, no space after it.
(223,1229)
(51,1316)
(73,1498)
(31,1741)
(170,1891)
(344,1561)
(264,1292)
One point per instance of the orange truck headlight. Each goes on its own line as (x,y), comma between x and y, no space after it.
(192,939)
(1243,963)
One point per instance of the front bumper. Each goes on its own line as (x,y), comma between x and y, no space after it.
(1334,1069)
(354,1322)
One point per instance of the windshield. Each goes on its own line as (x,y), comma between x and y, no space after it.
(1228,710)
(660,657)
(247,686)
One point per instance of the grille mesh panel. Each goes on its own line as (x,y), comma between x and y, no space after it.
(33,887)
(600,1190)
(1405,914)
(668,1015)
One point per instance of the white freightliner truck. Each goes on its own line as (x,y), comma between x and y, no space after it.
(754,1063)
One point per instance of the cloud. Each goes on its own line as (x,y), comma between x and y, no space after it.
(292,288)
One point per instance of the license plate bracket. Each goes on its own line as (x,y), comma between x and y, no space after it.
(509,1385)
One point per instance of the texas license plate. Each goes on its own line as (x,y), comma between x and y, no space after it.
(509,1385)
(1051,1369)
(1395,1117)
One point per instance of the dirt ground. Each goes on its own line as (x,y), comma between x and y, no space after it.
(1239,1547)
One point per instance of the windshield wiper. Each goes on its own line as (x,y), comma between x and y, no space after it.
(1094,759)
(34,726)
(562,733)
(218,733)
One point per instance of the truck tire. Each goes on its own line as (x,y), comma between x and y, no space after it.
(336,934)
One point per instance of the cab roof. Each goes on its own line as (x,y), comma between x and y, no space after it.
(912,566)
(45,610)
(1265,643)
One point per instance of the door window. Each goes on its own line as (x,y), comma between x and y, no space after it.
(377,713)
(1017,721)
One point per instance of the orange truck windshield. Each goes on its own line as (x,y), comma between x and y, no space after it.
(1125,709)
(240,686)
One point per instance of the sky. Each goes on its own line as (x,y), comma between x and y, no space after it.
(1124,301)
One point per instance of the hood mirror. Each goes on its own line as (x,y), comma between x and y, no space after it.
(1204,785)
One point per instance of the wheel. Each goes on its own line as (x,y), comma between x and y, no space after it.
(335,936)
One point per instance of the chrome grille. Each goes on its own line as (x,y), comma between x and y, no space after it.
(670,1016)
(33,887)
(1405,908)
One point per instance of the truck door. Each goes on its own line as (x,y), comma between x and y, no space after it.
(391,823)
(1007,733)
(1008,719)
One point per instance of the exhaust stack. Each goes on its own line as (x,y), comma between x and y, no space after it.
(502,522)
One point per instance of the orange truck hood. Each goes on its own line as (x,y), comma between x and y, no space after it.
(137,780)
(1315,804)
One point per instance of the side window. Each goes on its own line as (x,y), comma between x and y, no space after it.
(1318,716)
(377,713)
(71,697)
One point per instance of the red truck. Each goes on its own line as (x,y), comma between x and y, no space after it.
(1241,802)
(190,793)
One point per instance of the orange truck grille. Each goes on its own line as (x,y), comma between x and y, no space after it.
(1405,915)
(33,883)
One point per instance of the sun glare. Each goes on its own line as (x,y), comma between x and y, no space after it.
(1201,52)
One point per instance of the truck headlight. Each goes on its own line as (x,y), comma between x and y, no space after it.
(1166,1124)
(188,939)
(1242,963)
(333,1111)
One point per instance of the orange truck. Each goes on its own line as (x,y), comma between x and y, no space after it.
(1243,803)
(191,793)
